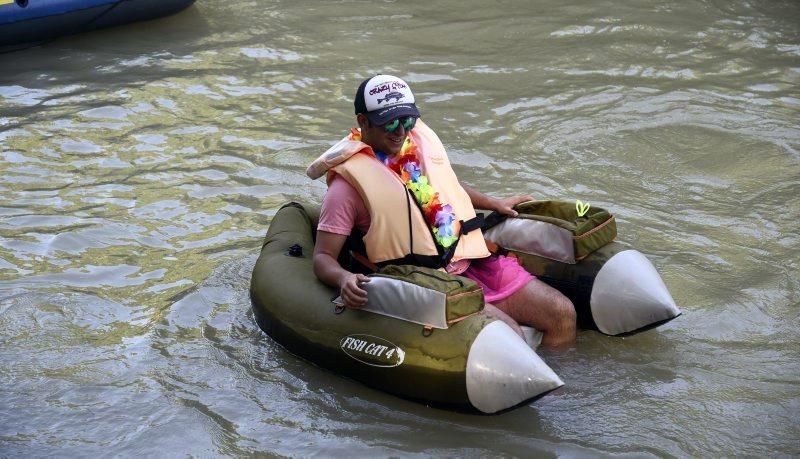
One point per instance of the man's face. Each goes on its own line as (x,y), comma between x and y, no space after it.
(389,143)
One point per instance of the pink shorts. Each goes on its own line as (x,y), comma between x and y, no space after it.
(498,276)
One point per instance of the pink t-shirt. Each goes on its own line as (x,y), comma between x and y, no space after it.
(343,209)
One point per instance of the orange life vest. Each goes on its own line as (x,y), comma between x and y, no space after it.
(398,229)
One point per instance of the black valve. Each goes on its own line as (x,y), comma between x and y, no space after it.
(295,251)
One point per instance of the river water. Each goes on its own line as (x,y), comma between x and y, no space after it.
(140,167)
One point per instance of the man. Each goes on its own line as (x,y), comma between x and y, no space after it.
(376,174)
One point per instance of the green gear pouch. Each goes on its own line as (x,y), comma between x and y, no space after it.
(426,296)
(557,230)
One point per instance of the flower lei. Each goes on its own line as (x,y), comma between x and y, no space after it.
(439,216)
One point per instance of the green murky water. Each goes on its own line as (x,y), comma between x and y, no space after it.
(140,167)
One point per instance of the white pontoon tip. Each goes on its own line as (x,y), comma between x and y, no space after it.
(503,370)
(628,294)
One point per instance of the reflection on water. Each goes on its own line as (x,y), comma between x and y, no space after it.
(141,166)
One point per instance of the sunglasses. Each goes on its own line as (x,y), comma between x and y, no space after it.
(408,124)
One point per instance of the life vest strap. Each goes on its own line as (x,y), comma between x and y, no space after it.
(472,224)
(467,226)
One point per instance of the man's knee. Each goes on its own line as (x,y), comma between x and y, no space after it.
(564,329)
(565,308)
(555,301)
(560,310)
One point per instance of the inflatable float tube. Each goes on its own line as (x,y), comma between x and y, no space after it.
(478,363)
(32,21)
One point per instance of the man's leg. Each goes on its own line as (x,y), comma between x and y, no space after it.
(543,308)
(492,311)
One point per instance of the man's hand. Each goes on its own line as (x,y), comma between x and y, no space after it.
(506,205)
(350,289)
(328,270)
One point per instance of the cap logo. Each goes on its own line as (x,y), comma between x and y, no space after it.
(392,95)
(386,87)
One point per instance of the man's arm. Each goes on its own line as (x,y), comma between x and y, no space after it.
(504,206)
(329,271)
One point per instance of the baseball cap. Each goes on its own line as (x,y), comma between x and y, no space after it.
(383,98)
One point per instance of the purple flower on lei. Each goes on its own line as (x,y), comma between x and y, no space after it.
(413,170)
(444,221)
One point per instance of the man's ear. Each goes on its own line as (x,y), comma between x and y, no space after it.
(363,121)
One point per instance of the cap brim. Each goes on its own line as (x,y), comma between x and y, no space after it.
(384,115)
